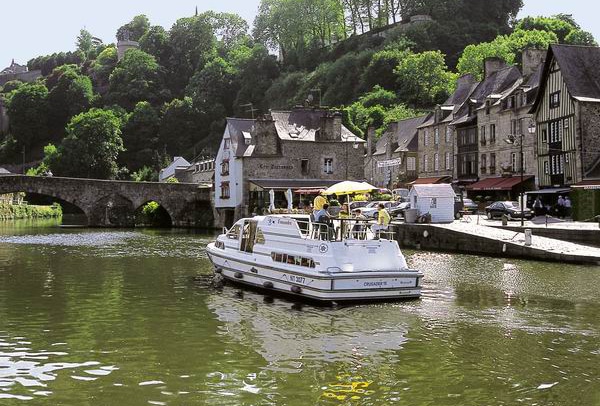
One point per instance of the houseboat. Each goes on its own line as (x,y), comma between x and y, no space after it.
(340,261)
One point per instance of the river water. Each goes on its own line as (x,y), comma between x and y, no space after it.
(96,317)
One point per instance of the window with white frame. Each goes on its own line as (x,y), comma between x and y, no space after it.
(225,191)
(555,100)
(513,160)
(448,163)
(436,162)
(426,138)
(411,163)
(482,135)
(425,163)
(556,165)
(555,131)
(436,136)
(226,143)
(546,168)
(328,165)
(492,133)
(448,134)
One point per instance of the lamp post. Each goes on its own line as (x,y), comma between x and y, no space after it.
(512,138)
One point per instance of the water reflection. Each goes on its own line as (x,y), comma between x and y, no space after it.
(25,373)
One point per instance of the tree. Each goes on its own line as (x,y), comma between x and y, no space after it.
(192,44)
(378,96)
(135,29)
(424,79)
(103,66)
(256,74)
(135,78)
(380,71)
(229,28)
(471,61)
(580,37)
(215,85)
(140,136)
(85,42)
(70,93)
(156,42)
(91,147)
(181,127)
(28,113)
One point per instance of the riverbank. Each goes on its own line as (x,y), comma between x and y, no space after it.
(29,211)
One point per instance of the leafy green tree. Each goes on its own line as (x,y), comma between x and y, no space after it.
(140,136)
(192,44)
(471,61)
(580,37)
(103,66)
(380,71)
(91,147)
(181,127)
(156,43)
(229,28)
(283,92)
(28,114)
(145,174)
(70,93)
(424,79)
(85,42)
(558,26)
(342,78)
(256,74)
(135,29)
(214,88)
(378,96)
(135,78)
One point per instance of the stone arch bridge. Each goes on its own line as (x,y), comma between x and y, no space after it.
(109,203)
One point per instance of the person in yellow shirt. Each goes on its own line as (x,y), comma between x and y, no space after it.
(318,204)
(383,220)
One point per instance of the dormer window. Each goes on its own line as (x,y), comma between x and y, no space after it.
(226,143)
(554,100)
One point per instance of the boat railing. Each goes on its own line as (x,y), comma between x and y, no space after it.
(340,229)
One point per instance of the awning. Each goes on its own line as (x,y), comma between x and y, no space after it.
(498,183)
(587,185)
(551,191)
(284,184)
(430,181)
(309,191)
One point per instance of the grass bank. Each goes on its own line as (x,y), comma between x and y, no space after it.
(28,211)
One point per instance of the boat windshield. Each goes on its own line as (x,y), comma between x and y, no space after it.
(340,229)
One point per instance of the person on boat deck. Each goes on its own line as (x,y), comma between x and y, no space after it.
(318,205)
(345,211)
(383,220)
(323,216)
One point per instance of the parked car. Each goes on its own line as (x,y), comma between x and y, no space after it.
(470,206)
(400,209)
(357,205)
(512,210)
(370,210)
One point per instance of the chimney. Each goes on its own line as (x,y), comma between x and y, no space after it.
(389,147)
(531,60)
(492,65)
(370,138)
(265,136)
(331,126)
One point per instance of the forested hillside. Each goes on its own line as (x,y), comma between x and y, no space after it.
(93,115)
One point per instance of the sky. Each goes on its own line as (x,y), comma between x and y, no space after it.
(44,27)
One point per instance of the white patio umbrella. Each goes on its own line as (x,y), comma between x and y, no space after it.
(349,187)
(271,200)
(289,197)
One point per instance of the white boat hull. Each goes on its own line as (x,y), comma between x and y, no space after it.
(342,286)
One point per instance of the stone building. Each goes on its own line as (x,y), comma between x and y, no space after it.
(18,72)
(567,115)
(436,135)
(393,164)
(201,171)
(504,122)
(498,79)
(298,149)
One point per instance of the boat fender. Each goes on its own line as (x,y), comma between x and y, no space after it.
(296,289)
(238,275)
(253,270)
(218,270)
(268,285)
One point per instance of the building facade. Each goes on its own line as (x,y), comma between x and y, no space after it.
(394,163)
(436,136)
(299,149)
(567,114)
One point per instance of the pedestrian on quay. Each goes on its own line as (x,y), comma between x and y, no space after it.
(560,207)
(538,206)
(568,206)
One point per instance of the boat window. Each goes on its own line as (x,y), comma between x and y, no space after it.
(234,232)
(293,260)
(220,244)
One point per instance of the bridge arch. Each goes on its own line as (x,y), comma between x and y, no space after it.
(113,210)
(157,215)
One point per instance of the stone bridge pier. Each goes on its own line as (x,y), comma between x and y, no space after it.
(108,203)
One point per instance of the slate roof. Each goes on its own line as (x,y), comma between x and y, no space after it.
(579,67)
(237,127)
(178,162)
(402,134)
(302,125)
(497,83)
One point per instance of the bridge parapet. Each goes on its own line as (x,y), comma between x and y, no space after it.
(108,203)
